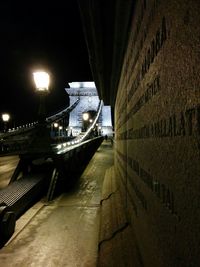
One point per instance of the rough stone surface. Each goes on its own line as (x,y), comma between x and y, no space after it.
(157,132)
(117,242)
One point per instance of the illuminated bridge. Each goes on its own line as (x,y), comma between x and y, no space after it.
(51,149)
(145,61)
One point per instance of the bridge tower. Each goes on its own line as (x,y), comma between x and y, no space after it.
(89,103)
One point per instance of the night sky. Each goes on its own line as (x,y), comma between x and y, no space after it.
(39,34)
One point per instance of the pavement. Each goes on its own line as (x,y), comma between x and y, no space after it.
(65,231)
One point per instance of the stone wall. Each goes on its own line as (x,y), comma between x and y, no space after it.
(157,125)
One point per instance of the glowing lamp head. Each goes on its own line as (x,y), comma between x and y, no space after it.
(55,125)
(60,127)
(41,80)
(85,116)
(5,117)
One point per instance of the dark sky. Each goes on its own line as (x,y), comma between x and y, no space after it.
(39,34)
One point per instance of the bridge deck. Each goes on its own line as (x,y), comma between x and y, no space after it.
(65,231)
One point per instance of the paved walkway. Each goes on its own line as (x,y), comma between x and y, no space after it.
(64,232)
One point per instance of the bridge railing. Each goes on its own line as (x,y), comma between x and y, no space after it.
(60,115)
(85,135)
(40,177)
(28,127)
(17,141)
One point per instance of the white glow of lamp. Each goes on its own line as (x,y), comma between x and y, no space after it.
(41,79)
(85,116)
(5,117)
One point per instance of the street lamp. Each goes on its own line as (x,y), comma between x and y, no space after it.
(85,120)
(99,130)
(55,127)
(41,80)
(60,130)
(85,116)
(71,128)
(5,118)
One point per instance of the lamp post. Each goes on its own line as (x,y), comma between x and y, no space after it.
(42,141)
(71,128)
(85,116)
(85,120)
(41,79)
(100,130)
(55,125)
(60,130)
(5,118)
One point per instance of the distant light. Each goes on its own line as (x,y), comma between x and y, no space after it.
(41,79)
(82,84)
(5,117)
(91,120)
(89,84)
(85,116)
(74,85)
(60,127)
(59,146)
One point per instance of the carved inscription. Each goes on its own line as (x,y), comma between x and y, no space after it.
(185,123)
(133,41)
(134,38)
(160,190)
(156,45)
(143,35)
(139,21)
(153,50)
(151,91)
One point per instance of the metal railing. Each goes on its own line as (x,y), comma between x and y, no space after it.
(62,114)
(14,142)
